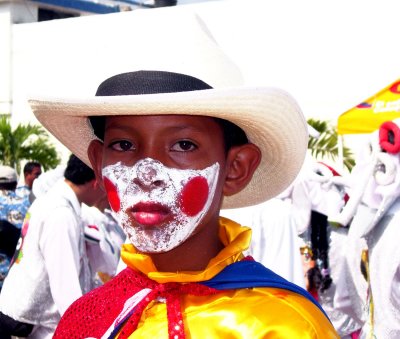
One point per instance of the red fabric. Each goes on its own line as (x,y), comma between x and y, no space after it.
(355,335)
(94,313)
(389,128)
(336,174)
(172,292)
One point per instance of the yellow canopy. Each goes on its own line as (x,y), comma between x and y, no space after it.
(370,114)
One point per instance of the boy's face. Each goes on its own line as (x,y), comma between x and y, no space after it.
(163,176)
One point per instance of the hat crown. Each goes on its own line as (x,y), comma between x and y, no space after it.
(7,174)
(149,82)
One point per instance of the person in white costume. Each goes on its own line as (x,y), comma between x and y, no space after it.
(50,268)
(322,191)
(370,280)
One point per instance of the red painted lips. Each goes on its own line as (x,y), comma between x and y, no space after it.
(149,213)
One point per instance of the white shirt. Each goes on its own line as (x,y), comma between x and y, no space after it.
(52,269)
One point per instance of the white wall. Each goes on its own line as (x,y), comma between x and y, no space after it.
(10,12)
(5,58)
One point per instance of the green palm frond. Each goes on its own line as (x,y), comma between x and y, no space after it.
(26,142)
(326,145)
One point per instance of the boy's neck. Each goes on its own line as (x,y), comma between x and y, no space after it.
(194,254)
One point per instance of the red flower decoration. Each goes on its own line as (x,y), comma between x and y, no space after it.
(389,137)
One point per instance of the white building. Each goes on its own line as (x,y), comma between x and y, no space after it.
(14,12)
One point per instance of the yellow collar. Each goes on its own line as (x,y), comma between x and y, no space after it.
(235,237)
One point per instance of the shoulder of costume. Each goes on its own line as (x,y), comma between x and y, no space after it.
(250,274)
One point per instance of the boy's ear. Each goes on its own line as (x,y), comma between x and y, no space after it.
(95,154)
(242,161)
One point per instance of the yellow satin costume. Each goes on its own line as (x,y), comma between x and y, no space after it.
(242,313)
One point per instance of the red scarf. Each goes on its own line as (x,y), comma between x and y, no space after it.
(94,313)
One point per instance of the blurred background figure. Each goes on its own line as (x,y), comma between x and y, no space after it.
(50,269)
(104,239)
(12,214)
(274,236)
(47,180)
(12,207)
(319,193)
(369,284)
(32,170)
(9,236)
(103,236)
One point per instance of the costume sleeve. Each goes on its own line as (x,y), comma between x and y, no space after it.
(60,245)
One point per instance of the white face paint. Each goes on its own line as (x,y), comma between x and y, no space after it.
(159,207)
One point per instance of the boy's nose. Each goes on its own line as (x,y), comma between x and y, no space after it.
(149,174)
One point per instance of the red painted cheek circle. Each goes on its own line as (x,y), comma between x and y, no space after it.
(194,196)
(112,195)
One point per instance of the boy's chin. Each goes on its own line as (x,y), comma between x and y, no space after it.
(162,238)
(155,243)
(152,249)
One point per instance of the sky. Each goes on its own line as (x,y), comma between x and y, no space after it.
(331,55)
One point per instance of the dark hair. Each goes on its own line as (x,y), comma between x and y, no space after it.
(233,134)
(9,235)
(320,250)
(77,171)
(29,166)
(8,186)
(99,125)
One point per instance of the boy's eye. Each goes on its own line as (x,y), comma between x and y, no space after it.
(122,146)
(184,146)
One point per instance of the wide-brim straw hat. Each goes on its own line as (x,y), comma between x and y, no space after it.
(270,117)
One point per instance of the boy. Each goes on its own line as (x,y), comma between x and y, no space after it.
(170,150)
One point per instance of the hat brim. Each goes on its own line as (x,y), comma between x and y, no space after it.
(270,117)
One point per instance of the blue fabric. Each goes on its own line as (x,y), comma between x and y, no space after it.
(23,192)
(13,208)
(84,5)
(248,274)
(4,265)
